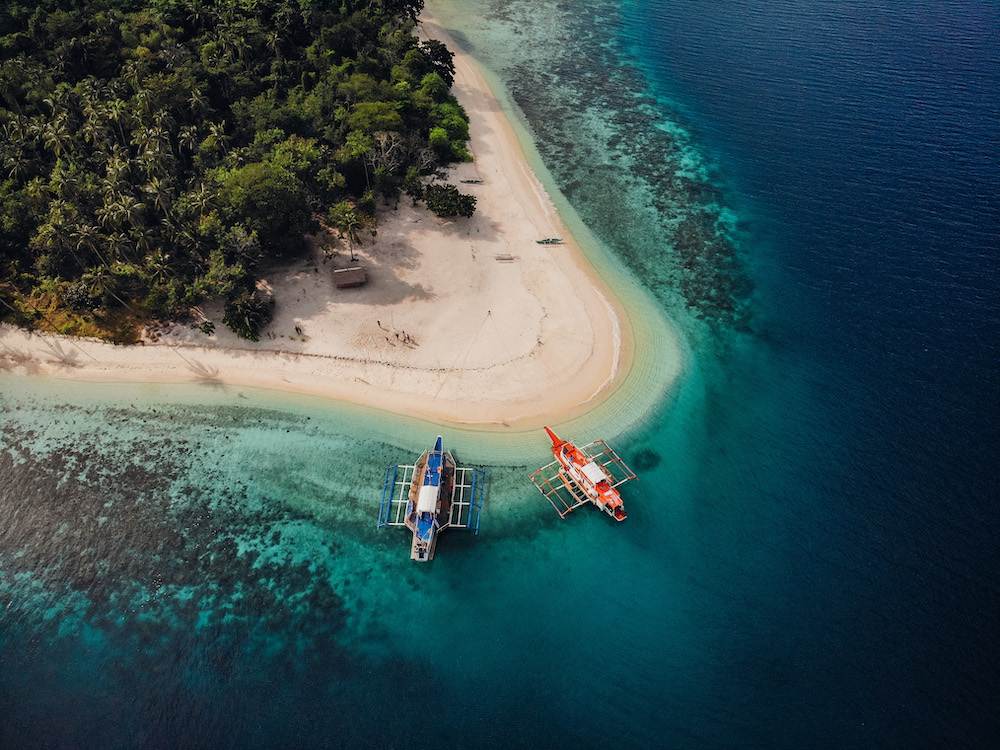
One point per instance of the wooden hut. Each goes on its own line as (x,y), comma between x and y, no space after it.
(347,277)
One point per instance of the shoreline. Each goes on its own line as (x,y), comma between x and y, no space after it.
(554,341)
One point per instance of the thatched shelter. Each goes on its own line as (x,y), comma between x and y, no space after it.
(347,277)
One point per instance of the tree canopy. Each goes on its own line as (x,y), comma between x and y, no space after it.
(153,152)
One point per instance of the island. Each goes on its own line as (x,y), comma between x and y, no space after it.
(462,316)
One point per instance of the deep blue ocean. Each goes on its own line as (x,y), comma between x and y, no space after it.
(809,190)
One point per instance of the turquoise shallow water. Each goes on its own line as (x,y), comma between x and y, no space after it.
(212,548)
(809,559)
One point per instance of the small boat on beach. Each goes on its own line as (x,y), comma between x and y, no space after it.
(591,474)
(550,241)
(472,182)
(429,496)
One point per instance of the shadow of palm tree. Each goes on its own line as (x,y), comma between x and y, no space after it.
(11,359)
(202,373)
(61,355)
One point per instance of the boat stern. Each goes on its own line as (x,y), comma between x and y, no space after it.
(424,540)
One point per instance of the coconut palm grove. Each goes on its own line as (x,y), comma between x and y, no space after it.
(154,153)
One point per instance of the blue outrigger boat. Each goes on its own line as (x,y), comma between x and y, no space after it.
(429,496)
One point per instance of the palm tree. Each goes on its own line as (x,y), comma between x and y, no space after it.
(94,89)
(284,16)
(199,15)
(143,105)
(35,129)
(273,41)
(246,315)
(108,214)
(189,238)
(233,42)
(92,93)
(62,210)
(100,281)
(188,138)
(197,101)
(54,236)
(117,112)
(155,161)
(113,173)
(217,130)
(150,139)
(201,199)
(54,104)
(93,131)
(143,239)
(160,192)
(165,122)
(119,245)
(17,165)
(158,267)
(86,237)
(63,181)
(15,131)
(349,226)
(133,69)
(132,210)
(171,226)
(37,188)
(172,56)
(9,90)
(57,136)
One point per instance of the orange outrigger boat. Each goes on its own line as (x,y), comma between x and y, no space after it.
(591,474)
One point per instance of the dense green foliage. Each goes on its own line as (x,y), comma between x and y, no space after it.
(153,151)
(246,314)
(445,200)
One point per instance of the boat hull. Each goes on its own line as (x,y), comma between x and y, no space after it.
(428,509)
(578,476)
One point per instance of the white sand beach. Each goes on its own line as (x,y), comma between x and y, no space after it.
(462,321)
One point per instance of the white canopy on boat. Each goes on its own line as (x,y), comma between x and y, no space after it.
(427,499)
(593,472)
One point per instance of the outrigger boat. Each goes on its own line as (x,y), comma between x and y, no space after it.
(429,496)
(591,474)
(550,241)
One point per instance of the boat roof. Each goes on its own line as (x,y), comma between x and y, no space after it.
(593,472)
(427,499)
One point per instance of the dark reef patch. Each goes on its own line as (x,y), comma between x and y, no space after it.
(111,537)
(626,161)
(645,460)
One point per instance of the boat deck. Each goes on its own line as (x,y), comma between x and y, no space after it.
(466,497)
(564,495)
